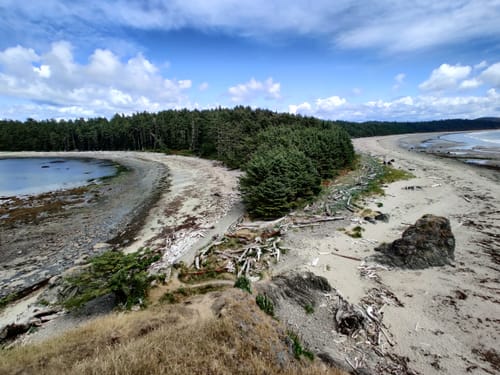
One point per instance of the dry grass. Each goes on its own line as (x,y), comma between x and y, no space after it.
(218,333)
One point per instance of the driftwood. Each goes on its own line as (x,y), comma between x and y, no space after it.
(320,220)
(346,256)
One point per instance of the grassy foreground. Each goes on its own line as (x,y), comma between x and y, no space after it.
(217,333)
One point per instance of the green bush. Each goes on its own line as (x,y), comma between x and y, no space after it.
(298,349)
(277,181)
(243,283)
(125,275)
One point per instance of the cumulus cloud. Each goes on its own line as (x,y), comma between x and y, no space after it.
(408,108)
(245,93)
(406,26)
(105,85)
(300,108)
(330,103)
(445,77)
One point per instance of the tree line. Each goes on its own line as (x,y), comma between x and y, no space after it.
(285,156)
(223,134)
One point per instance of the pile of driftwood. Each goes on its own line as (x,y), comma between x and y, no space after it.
(248,248)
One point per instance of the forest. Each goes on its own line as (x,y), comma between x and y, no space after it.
(223,134)
(285,156)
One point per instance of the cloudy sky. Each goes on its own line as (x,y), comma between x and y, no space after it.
(336,59)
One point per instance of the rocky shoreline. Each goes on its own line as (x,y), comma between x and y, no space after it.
(71,225)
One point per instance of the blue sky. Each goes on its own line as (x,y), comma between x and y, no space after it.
(344,59)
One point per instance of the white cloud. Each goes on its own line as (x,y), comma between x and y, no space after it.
(492,75)
(483,64)
(408,108)
(105,85)
(330,103)
(303,107)
(470,83)
(247,92)
(445,77)
(43,71)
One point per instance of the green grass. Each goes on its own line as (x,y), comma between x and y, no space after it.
(265,304)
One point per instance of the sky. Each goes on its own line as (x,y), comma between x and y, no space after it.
(348,60)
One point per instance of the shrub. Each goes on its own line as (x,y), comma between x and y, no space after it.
(125,275)
(243,283)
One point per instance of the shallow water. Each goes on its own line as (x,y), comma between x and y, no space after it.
(23,176)
(468,141)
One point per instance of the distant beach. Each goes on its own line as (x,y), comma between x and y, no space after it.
(481,148)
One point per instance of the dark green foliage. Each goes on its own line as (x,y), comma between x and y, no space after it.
(276,181)
(243,283)
(125,275)
(265,304)
(329,148)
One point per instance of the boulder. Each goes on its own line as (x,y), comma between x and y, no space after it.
(427,243)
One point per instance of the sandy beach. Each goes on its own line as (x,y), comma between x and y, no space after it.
(448,322)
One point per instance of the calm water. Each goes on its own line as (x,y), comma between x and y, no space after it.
(21,176)
(467,141)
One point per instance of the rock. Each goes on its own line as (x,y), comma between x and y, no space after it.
(427,243)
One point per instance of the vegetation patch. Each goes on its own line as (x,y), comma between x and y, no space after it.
(356,232)
(309,308)
(243,283)
(182,293)
(4,301)
(265,304)
(125,275)
(384,174)
(298,349)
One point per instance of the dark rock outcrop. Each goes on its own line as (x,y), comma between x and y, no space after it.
(427,243)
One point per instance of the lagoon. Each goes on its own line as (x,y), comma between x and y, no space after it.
(28,176)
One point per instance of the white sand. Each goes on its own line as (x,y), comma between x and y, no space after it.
(434,326)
